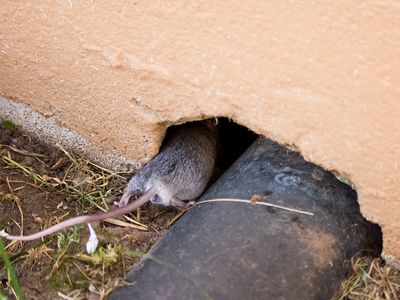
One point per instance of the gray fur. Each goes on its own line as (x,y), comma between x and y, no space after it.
(183,167)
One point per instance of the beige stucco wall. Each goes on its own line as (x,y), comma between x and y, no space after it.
(322,76)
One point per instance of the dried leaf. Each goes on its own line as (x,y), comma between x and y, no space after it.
(254,199)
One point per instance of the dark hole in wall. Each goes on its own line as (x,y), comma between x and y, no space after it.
(232,141)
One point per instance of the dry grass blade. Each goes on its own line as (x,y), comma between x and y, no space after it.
(22,152)
(57,263)
(23,183)
(61,162)
(253,201)
(25,169)
(74,295)
(106,170)
(69,155)
(134,221)
(177,217)
(17,201)
(371,279)
(293,210)
(125,224)
(37,254)
(126,217)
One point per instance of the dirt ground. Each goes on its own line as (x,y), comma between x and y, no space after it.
(41,185)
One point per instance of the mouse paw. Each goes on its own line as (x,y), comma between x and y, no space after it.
(124,199)
(121,203)
(181,205)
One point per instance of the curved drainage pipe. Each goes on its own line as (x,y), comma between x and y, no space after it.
(229,250)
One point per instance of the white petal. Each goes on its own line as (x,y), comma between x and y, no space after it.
(3,233)
(92,243)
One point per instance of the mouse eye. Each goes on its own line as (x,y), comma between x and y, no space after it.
(155,199)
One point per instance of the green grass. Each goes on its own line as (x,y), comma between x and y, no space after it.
(28,171)
(11,274)
(9,125)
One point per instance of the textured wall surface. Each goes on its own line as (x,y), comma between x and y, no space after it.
(322,76)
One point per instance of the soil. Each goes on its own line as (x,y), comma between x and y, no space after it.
(56,185)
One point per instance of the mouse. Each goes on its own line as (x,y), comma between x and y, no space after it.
(175,177)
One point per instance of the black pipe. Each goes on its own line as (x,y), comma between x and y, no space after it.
(229,250)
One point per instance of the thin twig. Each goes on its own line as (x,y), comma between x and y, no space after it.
(23,152)
(25,169)
(125,224)
(256,203)
(56,265)
(106,170)
(177,217)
